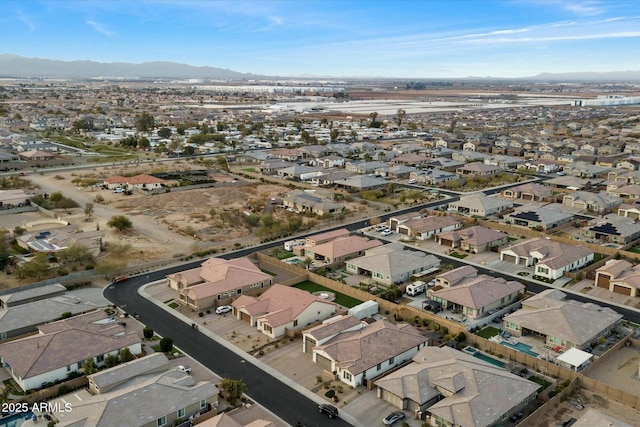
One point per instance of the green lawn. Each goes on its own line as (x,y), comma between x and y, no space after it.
(342,299)
(285,255)
(635,249)
(543,383)
(249,169)
(458,255)
(488,332)
(268,272)
(174,305)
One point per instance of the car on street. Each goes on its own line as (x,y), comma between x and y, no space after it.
(412,181)
(330,410)
(223,309)
(183,368)
(393,418)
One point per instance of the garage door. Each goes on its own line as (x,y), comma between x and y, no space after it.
(323,362)
(309,343)
(509,258)
(603,281)
(245,316)
(527,197)
(621,290)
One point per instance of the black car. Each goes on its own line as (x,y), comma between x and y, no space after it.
(330,410)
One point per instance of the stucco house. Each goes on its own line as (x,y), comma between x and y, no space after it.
(473,239)
(549,259)
(282,308)
(537,217)
(340,249)
(363,354)
(217,282)
(562,323)
(619,276)
(529,191)
(62,347)
(445,388)
(479,205)
(426,227)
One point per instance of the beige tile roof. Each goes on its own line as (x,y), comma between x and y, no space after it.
(64,343)
(144,179)
(480,291)
(457,274)
(623,272)
(473,393)
(279,304)
(554,254)
(476,235)
(344,246)
(330,328)
(431,223)
(357,351)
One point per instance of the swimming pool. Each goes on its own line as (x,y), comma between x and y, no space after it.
(489,359)
(15,420)
(521,347)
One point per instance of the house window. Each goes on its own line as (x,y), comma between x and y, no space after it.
(100,358)
(162,421)
(267,328)
(203,403)
(239,291)
(219,297)
(379,366)
(391,361)
(504,416)
(346,375)
(295,322)
(180,413)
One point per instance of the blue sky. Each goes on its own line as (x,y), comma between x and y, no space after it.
(420,39)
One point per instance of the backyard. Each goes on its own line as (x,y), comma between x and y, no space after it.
(342,299)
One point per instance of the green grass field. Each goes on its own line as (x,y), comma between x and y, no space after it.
(488,332)
(543,383)
(342,299)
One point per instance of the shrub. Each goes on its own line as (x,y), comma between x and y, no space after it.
(166,344)
(201,314)
(148,332)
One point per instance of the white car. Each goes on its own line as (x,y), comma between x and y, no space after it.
(412,181)
(185,369)
(223,309)
(387,232)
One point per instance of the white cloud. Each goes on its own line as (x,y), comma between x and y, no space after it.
(27,21)
(99,28)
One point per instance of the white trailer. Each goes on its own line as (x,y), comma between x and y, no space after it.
(416,288)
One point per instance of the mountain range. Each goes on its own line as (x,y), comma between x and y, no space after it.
(21,67)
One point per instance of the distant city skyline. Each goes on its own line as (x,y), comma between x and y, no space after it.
(405,39)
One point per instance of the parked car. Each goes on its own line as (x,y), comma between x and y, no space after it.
(393,418)
(118,190)
(412,181)
(387,232)
(183,368)
(223,309)
(330,410)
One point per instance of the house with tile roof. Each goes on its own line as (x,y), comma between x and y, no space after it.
(619,276)
(537,217)
(340,249)
(363,354)
(62,347)
(446,387)
(314,203)
(433,176)
(591,202)
(14,198)
(329,329)
(226,420)
(478,169)
(145,392)
(562,323)
(426,227)
(392,263)
(529,191)
(614,229)
(548,258)
(474,295)
(282,308)
(473,239)
(479,205)
(218,281)
(144,182)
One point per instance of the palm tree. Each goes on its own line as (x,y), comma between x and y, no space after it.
(307,262)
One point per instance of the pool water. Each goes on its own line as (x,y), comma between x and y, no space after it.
(521,347)
(15,420)
(489,359)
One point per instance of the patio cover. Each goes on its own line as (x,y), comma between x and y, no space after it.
(575,357)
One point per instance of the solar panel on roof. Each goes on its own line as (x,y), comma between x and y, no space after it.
(606,228)
(527,216)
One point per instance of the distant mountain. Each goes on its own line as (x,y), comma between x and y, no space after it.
(19,66)
(588,76)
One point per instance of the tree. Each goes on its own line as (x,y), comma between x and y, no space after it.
(164,132)
(223,163)
(90,366)
(76,253)
(109,268)
(88,210)
(166,344)
(400,115)
(334,134)
(35,269)
(233,389)
(126,355)
(144,122)
(110,361)
(120,223)
(307,262)
(147,332)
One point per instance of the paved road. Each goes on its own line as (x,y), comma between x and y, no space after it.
(268,391)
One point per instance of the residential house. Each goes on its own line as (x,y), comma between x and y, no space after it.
(478,169)
(55,240)
(396,171)
(479,205)
(549,259)
(392,263)
(446,388)
(361,183)
(537,217)
(36,155)
(271,167)
(572,182)
(328,329)
(314,203)
(426,227)
(340,249)
(591,202)
(619,276)
(614,229)
(25,296)
(463,291)
(281,309)
(562,323)
(144,182)
(585,170)
(14,198)
(299,172)
(62,347)
(327,236)
(225,420)
(330,177)
(433,176)
(218,281)
(395,221)
(628,193)
(474,239)
(365,353)
(531,191)
(145,392)
(328,162)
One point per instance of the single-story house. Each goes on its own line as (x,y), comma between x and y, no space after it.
(392,263)
(591,202)
(619,276)
(548,258)
(474,239)
(62,347)
(479,205)
(426,227)
(537,217)
(478,169)
(531,191)
(218,281)
(614,229)
(446,388)
(329,329)
(282,308)
(365,353)
(562,323)
(305,202)
(14,198)
(341,249)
